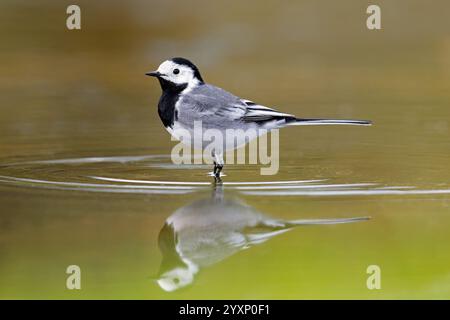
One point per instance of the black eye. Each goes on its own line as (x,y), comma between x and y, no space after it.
(176,71)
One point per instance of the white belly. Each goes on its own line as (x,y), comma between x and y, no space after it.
(223,140)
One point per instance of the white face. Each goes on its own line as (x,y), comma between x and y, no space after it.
(176,73)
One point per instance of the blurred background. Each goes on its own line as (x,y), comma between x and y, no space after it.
(76,94)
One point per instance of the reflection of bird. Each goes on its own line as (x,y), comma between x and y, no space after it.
(210,230)
(186,99)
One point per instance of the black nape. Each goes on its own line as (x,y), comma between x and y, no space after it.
(186,62)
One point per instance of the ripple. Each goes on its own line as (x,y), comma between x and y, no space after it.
(202,183)
(93,187)
(316,186)
(119,159)
(347,192)
(61,174)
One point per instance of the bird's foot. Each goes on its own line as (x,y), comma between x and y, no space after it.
(216,172)
(217,180)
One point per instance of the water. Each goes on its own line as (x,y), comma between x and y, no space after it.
(86,177)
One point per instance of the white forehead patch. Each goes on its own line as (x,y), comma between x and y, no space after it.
(184,76)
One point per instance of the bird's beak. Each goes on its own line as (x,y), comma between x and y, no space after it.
(156,74)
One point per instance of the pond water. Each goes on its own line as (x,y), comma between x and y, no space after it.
(86,177)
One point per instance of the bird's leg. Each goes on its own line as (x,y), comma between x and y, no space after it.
(218,169)
(218,165)
(216,173)
(217,188)
(217,180)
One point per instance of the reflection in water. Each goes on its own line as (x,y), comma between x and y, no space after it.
(208,231)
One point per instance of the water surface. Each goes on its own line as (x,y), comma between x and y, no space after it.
(86,177)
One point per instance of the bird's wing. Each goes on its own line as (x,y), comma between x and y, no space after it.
(259,113)
(223,109)
(211,103)
(207,101)
(271,118)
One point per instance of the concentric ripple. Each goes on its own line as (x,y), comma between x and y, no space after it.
(131,174)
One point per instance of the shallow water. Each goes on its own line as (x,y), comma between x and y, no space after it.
(86,177)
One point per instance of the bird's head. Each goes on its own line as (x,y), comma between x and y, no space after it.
(177,72)
(175,272)
(177,278)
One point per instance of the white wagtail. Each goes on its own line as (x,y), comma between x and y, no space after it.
(210,230)
(187,99)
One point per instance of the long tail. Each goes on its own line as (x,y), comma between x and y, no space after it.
(276,224)
(284,226)
(317,122)
(325,221)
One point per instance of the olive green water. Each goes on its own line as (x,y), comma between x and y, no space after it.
(86,178)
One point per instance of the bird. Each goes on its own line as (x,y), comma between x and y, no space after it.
(209,230)
(186,98)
